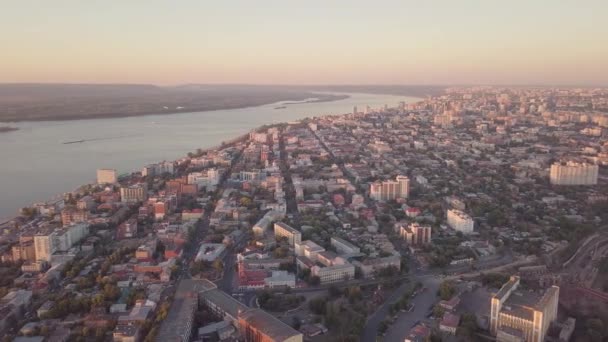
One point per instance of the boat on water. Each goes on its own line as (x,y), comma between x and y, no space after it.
(73,142)
(280,107)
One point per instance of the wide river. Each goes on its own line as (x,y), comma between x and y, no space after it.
(36,165)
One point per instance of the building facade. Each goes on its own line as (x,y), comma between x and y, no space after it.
(158,169)
(43,244)
(71,216)
(106,176)
(390,190)
(284,230)
(308,249)
(522,315)
(134,193)
(574,173)
(344,247)
(460,221)
(416,234)
(334,274)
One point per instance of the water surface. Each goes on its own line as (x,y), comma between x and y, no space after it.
(36,165)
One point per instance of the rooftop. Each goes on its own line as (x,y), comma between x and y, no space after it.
(269,325)
(504,290)
(221,299)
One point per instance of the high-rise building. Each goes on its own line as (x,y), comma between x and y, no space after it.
(522,315)
(24,251)
(72,215)
(65,238)
(460,221)
(416,234)
(44,246)
(574,173)
(390,190)
(158,169)
(106,176)
(284,230)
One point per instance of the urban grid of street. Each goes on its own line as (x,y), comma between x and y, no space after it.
(423,301)
(322,209)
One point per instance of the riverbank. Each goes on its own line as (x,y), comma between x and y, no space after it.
(321,98)
(39,166)
(6,129)
(63,102)
(93,109)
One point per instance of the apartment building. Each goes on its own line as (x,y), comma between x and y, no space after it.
(574,173)
(71,216)
(390,190)
(134,193)
(158,169)
(284,230)
(106,176)
(416,234)
(460,221)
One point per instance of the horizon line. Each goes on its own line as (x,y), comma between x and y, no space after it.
(444,85)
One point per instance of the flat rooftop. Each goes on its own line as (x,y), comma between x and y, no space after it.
(221,299)
(269,325)
(521,304)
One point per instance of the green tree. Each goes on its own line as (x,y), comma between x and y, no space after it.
(446,290)
(438,311)
(334,291)
(468,326)
(317,305)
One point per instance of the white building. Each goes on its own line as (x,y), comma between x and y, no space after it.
(254,175)
(106,176)
(210,251)
(333,274)
(158,169)
(344,247)
(134,193)
(67,237)
(280,278)
(260,228)
(460,221)
(210,178)
(574,173)
(371,266)
(308,249)
(43,245)
(390,190)
(284,230)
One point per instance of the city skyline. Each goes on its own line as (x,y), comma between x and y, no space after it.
(237,42)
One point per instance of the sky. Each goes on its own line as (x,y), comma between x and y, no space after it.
(559,42)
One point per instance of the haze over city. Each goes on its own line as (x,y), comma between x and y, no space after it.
(311,42)
(290,171)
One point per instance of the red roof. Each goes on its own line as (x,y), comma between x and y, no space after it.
(450,320)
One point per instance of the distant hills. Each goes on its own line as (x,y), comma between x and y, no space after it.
(37,102)
(399,90)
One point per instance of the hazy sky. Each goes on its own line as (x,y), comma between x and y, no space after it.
(304,42)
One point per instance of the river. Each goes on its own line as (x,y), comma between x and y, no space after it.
(36,165)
